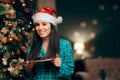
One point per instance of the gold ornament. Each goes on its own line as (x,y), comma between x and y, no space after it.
(4,40)
(10,39)
(7,55)
(4,30)
(12,34)
(11,14)
(8,6)
(4,61)
(15,68)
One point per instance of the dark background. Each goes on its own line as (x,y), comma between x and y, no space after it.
(107,39)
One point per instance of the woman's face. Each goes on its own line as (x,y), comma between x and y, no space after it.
(43,28)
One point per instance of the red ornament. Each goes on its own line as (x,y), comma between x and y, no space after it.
(9,25)
(10,39)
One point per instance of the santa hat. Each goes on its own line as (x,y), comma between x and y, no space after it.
(47,14)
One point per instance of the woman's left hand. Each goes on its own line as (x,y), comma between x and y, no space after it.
(57,61)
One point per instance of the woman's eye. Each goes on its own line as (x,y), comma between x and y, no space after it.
(44,24)
(37,24)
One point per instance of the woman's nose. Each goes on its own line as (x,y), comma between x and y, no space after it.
(40,27)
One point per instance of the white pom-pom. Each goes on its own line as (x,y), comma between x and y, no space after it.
(59,20)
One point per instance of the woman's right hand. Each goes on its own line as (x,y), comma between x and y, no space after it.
(28,66)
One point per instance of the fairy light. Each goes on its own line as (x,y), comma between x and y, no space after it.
(94,22)
(115,7)
(83,24)
(79,47)
(101,7)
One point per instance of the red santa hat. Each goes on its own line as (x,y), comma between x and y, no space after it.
(47,14)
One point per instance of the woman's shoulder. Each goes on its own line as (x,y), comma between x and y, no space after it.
(64,41)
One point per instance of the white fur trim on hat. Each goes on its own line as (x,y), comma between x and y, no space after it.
(46,17)
(59,19)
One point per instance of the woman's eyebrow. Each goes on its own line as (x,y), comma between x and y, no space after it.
(36,23)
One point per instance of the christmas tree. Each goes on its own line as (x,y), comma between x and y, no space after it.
(16,25)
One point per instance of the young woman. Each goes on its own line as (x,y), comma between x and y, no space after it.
(57,55)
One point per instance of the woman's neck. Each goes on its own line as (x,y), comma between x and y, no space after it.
(45,43)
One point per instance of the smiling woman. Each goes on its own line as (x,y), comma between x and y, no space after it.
(49,56)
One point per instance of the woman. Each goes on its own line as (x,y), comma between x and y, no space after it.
(58,53)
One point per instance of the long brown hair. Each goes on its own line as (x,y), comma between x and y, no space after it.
(53,46)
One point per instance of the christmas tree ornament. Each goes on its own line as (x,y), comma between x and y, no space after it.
(8,6)
(20,61)
(12,34)
(11,14)
(15,68)
(14,63)
(6,55)
(10,39)
(4,40)
(3,8)
(4,30)
(4,61)
(9,25)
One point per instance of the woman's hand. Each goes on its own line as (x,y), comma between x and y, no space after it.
(57,61)
(28,66)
